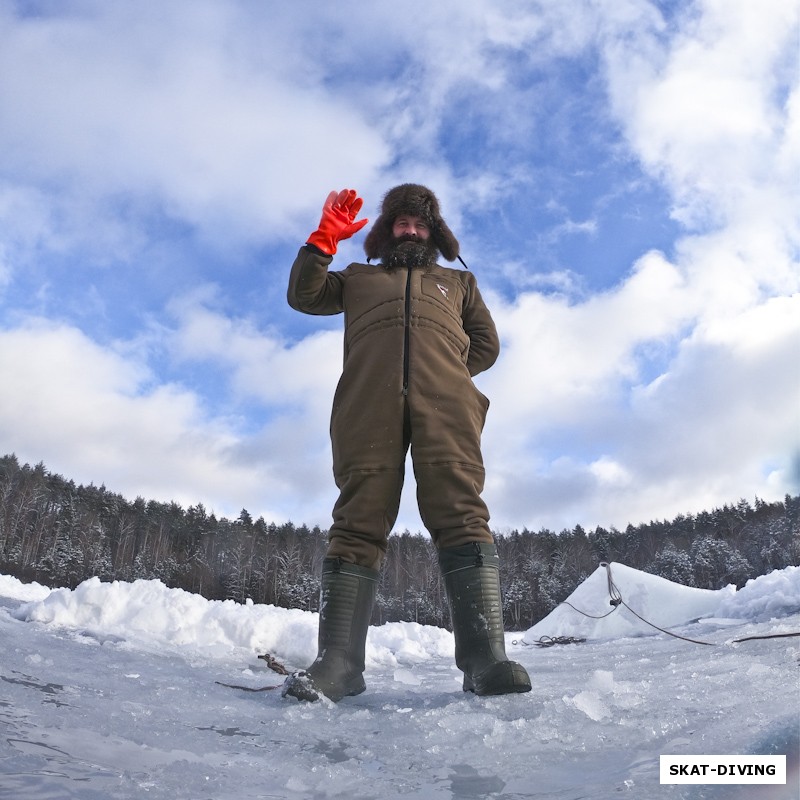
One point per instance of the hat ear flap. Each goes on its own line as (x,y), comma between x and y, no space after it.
(377,238)
(445,241)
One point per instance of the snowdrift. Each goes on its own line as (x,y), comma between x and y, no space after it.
(152,616)
(765,598)
(658,600)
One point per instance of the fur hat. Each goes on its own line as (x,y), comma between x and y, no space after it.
(415,201)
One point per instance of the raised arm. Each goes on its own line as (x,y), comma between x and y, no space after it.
(312,289)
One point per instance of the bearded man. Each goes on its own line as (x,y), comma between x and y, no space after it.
(415,335)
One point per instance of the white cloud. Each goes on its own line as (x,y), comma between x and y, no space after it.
(99,417)
(610,472)
(261,365)
(177,107)
(558,358)
(727,411)
(235,120)
(704,109)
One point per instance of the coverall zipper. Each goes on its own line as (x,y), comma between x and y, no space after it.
(407,333)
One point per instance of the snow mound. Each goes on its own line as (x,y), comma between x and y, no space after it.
(765,598)
(149,613)
(658,600)
(17,590)
(152,616)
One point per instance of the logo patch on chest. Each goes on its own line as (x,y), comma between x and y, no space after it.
(443,289)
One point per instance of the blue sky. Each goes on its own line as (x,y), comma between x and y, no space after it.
(622,179)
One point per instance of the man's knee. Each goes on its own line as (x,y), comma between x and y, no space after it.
(364,551)
(364,515)
(450,504)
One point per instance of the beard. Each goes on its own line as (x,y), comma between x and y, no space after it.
(409,252)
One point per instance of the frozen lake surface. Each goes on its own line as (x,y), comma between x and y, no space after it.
(110,692)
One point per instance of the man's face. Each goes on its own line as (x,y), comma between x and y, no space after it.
(411,245)
(406,225)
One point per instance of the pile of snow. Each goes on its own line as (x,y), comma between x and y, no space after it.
(17,590)
(588,613)
(150,615)
(765,598)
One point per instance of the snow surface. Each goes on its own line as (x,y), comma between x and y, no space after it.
(110,692)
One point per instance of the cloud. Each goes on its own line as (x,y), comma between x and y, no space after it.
(593,433)
(721,422)
(183,107)
(558,423)
(558,356)
(102,416)
(261,365)
(217,116)
(705,109)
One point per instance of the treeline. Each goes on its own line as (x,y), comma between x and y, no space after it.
(58,533)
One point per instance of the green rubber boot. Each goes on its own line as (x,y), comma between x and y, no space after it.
(472,580)
(346,600)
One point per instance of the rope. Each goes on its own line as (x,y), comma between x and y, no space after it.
(549,641)
(613,586)
(617,595)
(767,636)
(585,614)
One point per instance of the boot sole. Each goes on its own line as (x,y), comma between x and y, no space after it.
(505,677)
(302,687)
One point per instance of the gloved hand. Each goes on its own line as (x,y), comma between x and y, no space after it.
(338,213)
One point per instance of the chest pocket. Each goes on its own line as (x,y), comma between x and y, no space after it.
(444,293)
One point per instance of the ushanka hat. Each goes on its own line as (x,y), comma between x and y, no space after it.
(412,200)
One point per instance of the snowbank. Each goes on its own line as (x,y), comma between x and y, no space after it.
(17,590)
(765,598)
(149,614)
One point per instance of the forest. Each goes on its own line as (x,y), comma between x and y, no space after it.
(57,533)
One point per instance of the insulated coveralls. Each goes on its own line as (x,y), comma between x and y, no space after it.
(413,340)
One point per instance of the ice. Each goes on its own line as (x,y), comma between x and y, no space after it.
(109,692)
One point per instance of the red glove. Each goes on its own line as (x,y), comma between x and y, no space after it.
(338,213)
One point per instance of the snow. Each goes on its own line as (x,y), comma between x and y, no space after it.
(658,600)
(110,691)
(765,598)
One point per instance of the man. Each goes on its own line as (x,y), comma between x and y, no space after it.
(415,335)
